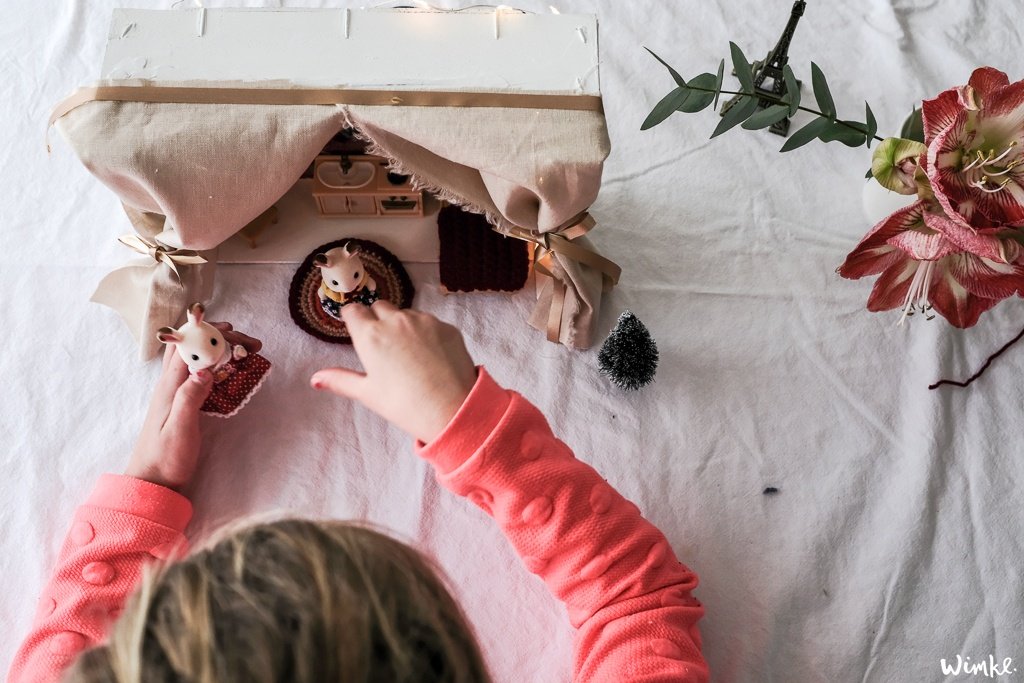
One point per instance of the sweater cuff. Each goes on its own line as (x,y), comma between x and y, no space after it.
(470,428)
(141,498)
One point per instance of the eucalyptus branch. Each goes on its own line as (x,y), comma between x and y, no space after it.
(777,100)
(704,90)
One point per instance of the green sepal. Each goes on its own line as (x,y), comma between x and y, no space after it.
(889,154)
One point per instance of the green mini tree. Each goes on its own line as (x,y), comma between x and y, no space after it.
(629,356)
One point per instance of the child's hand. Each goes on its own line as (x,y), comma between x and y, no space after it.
(417,370)
(167,451)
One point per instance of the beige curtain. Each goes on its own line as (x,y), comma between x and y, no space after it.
(192,175)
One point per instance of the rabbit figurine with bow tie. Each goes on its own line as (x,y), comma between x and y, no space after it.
(345,280)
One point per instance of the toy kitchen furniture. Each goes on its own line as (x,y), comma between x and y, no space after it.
(360,186)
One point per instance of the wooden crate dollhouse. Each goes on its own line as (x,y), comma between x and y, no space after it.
(206,120)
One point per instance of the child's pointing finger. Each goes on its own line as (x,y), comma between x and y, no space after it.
(356,316)
(340,381)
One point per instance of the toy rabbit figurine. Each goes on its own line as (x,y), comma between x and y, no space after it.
(345,280)
(237,374)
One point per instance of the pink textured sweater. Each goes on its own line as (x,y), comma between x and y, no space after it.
(627,594)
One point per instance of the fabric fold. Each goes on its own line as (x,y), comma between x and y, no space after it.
(193,173)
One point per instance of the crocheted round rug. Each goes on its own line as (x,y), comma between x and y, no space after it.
(393,284)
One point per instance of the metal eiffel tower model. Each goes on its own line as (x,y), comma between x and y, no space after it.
(771,68)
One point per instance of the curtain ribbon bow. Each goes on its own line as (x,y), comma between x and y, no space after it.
(560,241)
(172,258)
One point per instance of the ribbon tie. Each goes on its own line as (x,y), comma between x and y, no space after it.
(172,258)
(560,241)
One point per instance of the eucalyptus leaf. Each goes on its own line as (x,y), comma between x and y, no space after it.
(857,126)
(739,112)
(704,81)
(837,132)
(821,92)
(766,117)
(872,124)
(662,110)
(701,93)
(695,101)
(806,134)
(792,89)
(744,72)
(675,74)
(913,127)
(719,78)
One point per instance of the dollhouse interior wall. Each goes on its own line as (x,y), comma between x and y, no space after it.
(323,206)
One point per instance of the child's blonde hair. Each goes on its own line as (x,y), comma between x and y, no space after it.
(295,601)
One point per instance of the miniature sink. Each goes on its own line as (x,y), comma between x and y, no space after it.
(330,174)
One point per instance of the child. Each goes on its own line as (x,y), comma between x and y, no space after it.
(309,601)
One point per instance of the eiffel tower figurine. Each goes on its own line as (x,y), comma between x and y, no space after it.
(771,68)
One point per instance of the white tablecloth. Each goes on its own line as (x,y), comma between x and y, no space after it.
(894,539)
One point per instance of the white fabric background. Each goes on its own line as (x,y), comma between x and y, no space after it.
(895,538)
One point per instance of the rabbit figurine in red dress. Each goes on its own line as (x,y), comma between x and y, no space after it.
(237,374)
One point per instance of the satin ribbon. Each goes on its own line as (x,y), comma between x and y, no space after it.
(302,96)
(154,293)
(172,258)
(560,241)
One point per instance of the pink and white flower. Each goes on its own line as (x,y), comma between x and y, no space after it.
(920,269)
(975,160)
(957,250)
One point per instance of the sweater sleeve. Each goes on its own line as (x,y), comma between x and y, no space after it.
(626,593)
(125,523)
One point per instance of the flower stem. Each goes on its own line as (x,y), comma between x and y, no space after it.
(983,367)
(776,100)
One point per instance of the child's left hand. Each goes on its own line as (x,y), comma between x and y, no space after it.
(167,451)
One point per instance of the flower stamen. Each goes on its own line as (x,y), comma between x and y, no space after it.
(1009,167)
(923,300)
(979,160)
(989,157)
(982,185)
(917,293)
(1009,148)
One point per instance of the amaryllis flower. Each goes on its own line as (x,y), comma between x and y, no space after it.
(921,269)
(975,159)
